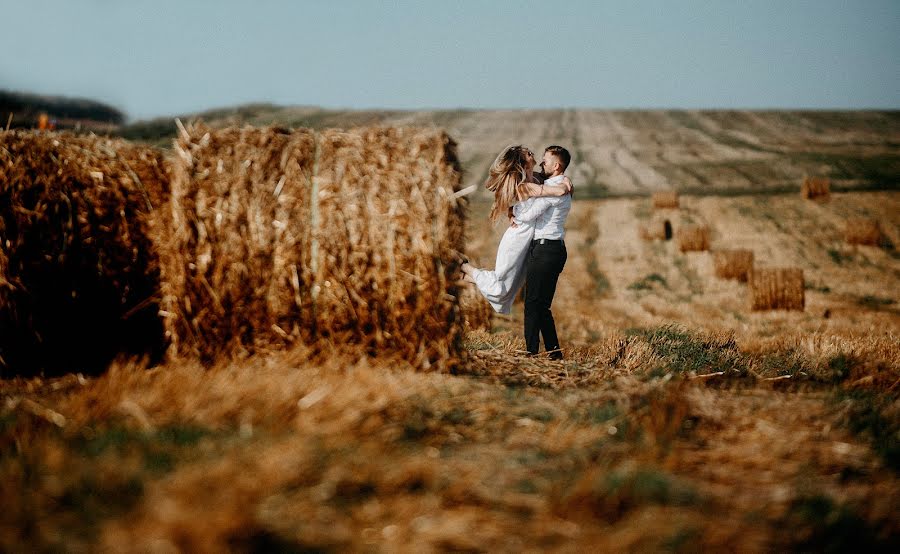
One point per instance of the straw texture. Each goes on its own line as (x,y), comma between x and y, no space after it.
(733,264)
(476,311)
(78,275)
(777,289)
(863,230)
(665,199)
(328,238)
(693,238)
(816,188)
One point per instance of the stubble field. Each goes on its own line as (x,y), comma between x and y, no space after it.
(679,420)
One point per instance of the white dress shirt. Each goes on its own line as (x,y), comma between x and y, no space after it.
(548,214)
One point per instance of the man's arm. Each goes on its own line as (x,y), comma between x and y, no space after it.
(529,211)
(544,190)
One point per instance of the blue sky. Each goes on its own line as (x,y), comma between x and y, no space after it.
(164,57)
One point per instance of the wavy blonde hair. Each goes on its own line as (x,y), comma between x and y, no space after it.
(505,178)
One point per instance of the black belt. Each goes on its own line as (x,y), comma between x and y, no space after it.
(547,241)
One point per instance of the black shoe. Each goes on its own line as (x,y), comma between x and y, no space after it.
(555,355)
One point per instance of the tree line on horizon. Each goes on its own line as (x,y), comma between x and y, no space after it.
(26,108)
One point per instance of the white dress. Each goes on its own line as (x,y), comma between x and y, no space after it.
(501,285)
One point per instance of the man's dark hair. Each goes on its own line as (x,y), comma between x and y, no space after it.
(561,154)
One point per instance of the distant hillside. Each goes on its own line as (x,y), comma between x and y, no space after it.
(634,152)
(615,152)
(68,112)
(162,129)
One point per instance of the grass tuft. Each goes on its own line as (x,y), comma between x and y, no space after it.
(872,415)
(648,282)
(683,351)
(818,524)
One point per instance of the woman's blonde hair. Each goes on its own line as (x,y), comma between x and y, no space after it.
(506,175)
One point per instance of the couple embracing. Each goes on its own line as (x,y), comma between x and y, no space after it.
(532,251)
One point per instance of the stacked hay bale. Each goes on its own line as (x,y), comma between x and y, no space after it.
(865,231)
(816,188)
(326,238)
(660,229)
(776,289)
(666,199)
(693,238)
(733,264)
(79,279)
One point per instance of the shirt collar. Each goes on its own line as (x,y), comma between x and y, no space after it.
(554,180)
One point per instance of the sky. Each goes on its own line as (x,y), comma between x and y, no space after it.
(163,57)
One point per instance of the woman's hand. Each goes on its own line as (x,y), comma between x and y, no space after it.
(528,189)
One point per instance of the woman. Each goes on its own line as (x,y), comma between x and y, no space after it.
(512,180)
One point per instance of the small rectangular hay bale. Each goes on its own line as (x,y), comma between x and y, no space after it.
(665,199)
(816,188)
(863,230)
(733,264)
(656,230)
(776,289)
(693,238)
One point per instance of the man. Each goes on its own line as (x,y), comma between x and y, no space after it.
(546,256)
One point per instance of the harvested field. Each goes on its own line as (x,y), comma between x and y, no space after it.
(679,419)
(616,448)
(651,283)
(640,151)
(333,238)
(81,279)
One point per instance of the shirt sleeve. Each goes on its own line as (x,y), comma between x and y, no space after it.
(529,211)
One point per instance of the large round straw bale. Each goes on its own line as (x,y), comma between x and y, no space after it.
(816,188)
(862,230)
(150,168)
(776,289)
(327,238)
(693,238)
(79,278)
(665,199)
(733,264)
(476,313)
(660,229)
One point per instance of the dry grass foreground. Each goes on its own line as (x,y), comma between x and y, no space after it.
(734,431)
(773,436)
(662,439)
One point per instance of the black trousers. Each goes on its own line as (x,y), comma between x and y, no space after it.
(543,265)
